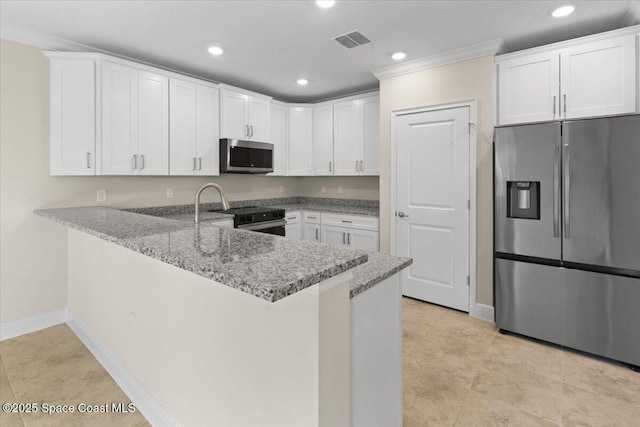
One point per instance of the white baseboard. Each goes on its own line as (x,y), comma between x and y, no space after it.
(27,325)
(145,403)
(484,312)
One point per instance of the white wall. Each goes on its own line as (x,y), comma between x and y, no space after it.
(33,252)
(450,83)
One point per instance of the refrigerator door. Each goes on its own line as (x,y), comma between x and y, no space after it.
(601,192)
(527,190)
(529,299)
(601,315)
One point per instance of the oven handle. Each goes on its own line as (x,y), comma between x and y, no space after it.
(262,225)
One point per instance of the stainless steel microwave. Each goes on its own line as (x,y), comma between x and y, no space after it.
(238,156)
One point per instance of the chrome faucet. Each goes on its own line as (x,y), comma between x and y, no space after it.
(225,203)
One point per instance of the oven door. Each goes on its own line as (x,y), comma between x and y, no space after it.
(268,227)
(237,156)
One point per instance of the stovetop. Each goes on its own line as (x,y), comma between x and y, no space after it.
(253,214)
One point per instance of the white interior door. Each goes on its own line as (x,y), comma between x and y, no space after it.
(432,193)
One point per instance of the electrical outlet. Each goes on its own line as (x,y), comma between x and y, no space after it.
(169,193)
(282,188)
(340,189)
(324,189)
(101,195)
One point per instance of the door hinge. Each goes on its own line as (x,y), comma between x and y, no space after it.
(468,280)
(471,124)
(468,204)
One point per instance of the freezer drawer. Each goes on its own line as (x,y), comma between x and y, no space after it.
(527,190)
(529,299)
(602,315)
(602,192)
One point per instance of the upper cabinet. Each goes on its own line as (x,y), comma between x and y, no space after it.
(322,144)
(194,129)
(594,76)
(356,136)
(278,133)
(73,120)
(300,136)
(244,116)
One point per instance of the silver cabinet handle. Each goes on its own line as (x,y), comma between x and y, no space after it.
(246,130)
(344,237)
(556,193)
(141,161)
(199,163)
(554,106)
(135,161)
(291,217)
(330,166)
(357,163)
(194,163)
(251,130)
(361,165)
(88,160)
(317,230)
(565,194)
(403,215)
(347,221)
(348,238)
(564,106)
(311,217)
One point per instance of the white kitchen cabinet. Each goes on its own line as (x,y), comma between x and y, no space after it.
(354,231)
(119,144)
(336,236)
(73,120)
(361,222)
(153,124)
(135,121)
(528,88)
(356,137)
(311,232)
(278,132)
(300,136)
(594,76)
(293,226)
(363,240)
(244,116)
(599,78)
(194,129)
(322,141)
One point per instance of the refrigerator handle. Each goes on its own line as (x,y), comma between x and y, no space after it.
(565,193)
(556,193)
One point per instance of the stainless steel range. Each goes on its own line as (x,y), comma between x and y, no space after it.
(258,218)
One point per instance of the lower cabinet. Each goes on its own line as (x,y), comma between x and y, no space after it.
(312,233)
(293,227)
(350,237)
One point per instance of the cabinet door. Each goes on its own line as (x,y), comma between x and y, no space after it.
(322,140)
(234,115)
(599,78)
(208,130)
(119,154)
(278,137)
(300,135)
(259,119)
(182,129)
(293,231)
(528,88)
(312,233)
(348,137)
(334,235)
(73,121)
(153,116)
(371,156)
(364,240)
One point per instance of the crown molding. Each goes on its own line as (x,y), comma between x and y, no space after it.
(490,47)
(34,38)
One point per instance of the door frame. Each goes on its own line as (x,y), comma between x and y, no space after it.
(474,310)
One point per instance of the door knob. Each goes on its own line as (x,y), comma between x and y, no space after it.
(403,215)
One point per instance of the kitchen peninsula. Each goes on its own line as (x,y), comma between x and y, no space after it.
(228,327)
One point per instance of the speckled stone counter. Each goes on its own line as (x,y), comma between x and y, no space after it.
(375,270)
(322,207)
(269,267)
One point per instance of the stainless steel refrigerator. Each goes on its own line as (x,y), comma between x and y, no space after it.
(567,234)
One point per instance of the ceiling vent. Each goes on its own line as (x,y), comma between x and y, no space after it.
(353,39)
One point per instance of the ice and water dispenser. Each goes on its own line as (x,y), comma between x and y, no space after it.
(523,199)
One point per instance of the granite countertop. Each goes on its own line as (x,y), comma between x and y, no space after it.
(267,266)
(323,207)
(378,268)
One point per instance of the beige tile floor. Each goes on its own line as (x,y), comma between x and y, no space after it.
(52,366)
(457,371)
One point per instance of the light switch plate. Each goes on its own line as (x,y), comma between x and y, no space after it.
(169,193)
(101,195)
(340,189)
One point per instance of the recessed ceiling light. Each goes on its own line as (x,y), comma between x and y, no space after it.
(302,82)
(563,11)
(215,50)
(398,56)
(325,4)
